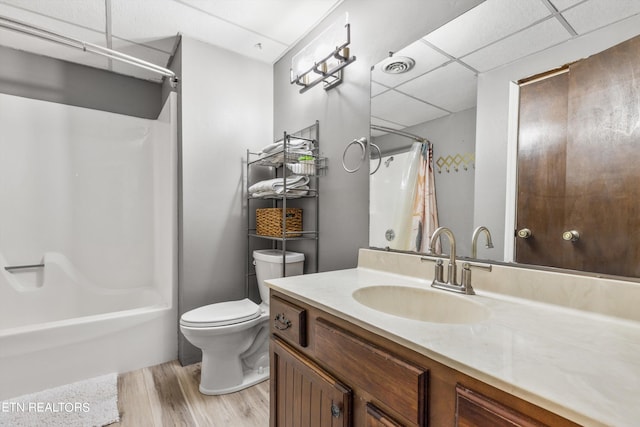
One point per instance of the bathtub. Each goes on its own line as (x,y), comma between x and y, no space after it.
(92,197)
(56,327)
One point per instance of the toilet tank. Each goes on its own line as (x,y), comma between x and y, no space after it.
(268,263)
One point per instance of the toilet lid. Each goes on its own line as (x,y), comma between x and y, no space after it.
(221,314)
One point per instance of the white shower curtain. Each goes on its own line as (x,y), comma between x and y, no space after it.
(424,213)
(415,213)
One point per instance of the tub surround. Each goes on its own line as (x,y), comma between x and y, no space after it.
(566,343)
(105,299)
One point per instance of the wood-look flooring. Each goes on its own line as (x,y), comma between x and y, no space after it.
(167,395)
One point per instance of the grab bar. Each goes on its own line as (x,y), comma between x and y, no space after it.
(23,267)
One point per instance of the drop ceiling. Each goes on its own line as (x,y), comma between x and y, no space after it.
(147,29)
(495,33)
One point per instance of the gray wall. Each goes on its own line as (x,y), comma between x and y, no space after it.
(226,107)
(493,120)
(377,27)
(451,135)
(40,77)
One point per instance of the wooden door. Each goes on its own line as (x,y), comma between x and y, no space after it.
(578,157)
(603,161)
(304,395)
(542,144)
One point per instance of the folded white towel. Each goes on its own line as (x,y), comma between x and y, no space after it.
(277,184)
(277,158)
(294,143)
(295,192)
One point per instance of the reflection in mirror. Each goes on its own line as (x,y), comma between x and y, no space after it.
(456,93)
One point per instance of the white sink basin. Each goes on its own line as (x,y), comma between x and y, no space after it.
(427,305)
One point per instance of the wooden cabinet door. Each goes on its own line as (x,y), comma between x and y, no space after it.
(304,395)
(578,157)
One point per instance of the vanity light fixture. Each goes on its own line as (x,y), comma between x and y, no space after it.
(323,59)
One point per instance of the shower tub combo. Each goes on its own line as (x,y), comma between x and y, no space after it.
(87,243)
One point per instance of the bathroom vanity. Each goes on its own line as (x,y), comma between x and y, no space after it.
(354,347)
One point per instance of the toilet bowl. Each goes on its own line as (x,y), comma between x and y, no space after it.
(234,335)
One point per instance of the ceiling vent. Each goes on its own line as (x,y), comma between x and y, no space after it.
(397,64)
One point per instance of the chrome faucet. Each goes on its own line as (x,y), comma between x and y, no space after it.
(474,240)
(451,283)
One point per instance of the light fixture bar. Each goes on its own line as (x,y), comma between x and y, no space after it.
(331,77)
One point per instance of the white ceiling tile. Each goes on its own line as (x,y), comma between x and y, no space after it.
(425,57)
(598,13)
(385,123)
(234,25)
(82,13)
(534,39)
(140,22)
(561,5)
(399,108)
(486,23)
(452,87)
(377,89)
(61,27)
(282,20)
(38,46)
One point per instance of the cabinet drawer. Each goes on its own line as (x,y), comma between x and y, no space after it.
(377,418)
(393,382)
(476,410)
(288,321)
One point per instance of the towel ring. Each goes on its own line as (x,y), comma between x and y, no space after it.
(379,157)
(361,142)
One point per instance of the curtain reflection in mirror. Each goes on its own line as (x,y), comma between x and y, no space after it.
(407,185)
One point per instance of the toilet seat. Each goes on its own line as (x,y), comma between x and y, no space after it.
(221,314)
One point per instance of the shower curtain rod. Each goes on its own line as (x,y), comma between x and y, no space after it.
(32,30)
(401,133)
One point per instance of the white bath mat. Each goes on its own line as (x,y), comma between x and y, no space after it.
(88,403)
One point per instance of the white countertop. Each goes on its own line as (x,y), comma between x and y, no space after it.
(580,365)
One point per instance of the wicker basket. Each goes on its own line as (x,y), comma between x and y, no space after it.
(269,222)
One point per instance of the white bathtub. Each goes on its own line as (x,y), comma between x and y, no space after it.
(57,328)
(93,196)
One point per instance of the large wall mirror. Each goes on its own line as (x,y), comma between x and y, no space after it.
(455,87)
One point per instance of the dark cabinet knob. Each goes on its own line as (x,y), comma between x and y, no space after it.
(281,322)
(335,410)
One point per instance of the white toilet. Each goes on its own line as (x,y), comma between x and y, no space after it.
(234,335)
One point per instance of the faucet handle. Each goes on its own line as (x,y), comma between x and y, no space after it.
(439,273)
(466,279)
(466,275)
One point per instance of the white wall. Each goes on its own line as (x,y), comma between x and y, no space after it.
(79,182)
(493,121)
(227,107)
